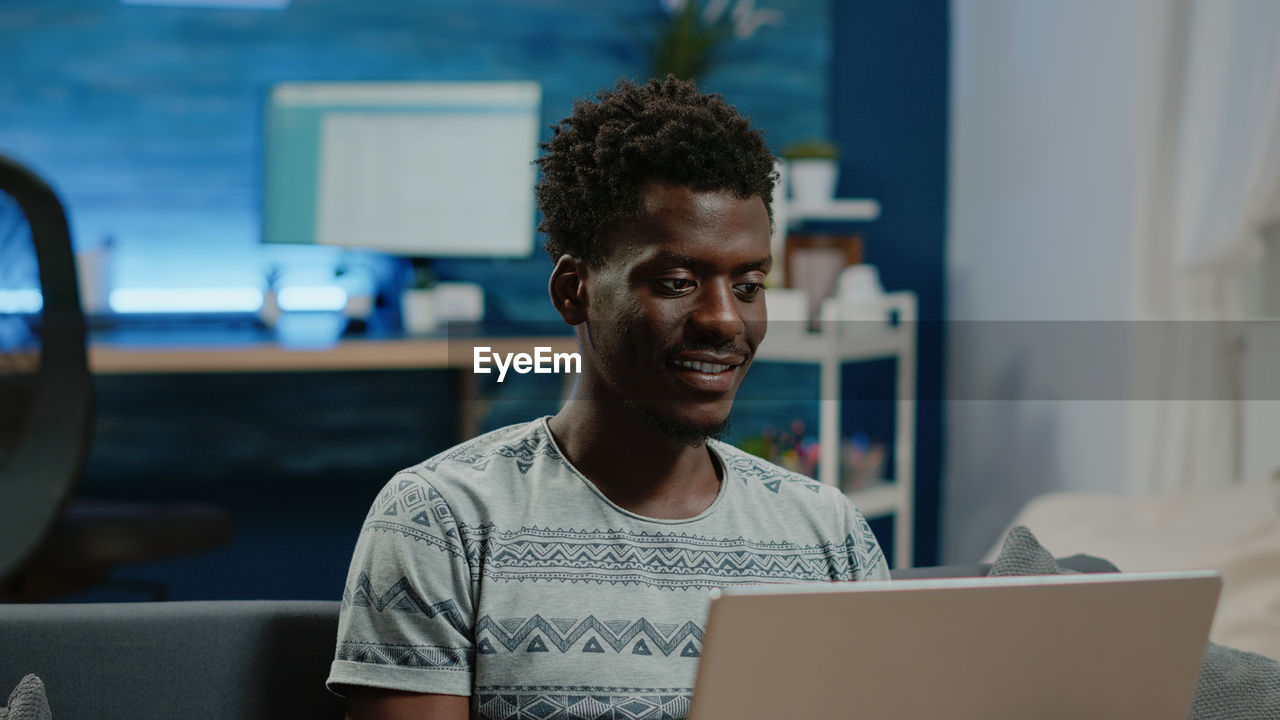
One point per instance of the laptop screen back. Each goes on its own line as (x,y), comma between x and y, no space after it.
(1072,646)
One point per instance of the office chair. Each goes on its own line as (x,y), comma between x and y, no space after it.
(52,543)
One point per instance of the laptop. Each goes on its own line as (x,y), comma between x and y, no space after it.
(1096,646)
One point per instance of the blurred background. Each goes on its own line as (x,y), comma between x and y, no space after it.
(1042,180)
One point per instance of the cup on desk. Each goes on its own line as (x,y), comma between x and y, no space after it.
(418,311)
(426,310)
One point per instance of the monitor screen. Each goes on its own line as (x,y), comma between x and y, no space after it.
(411,168)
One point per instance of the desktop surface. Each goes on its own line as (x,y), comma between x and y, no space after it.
(303,342)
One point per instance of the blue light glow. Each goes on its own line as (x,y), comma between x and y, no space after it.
(186,300)
(22,300)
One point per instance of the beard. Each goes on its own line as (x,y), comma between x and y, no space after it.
(691,434)
(686,433)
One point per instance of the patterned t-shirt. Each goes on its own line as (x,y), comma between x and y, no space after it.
(496,570)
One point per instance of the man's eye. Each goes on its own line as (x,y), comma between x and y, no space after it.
(750,290)
(676,285)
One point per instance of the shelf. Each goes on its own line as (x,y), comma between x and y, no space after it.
(850,342)
(846,341)
(847,346)
(849,209)
(209,354)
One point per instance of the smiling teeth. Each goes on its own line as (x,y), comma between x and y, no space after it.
(702,366)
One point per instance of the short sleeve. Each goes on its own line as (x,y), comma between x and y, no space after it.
(865,556)
(407,607)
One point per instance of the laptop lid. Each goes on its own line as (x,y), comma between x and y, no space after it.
(1096,646)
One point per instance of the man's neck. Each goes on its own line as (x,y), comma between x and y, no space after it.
(637,465)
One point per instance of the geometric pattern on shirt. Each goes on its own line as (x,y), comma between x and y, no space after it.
(422,656)
(408,499)
(864,557)
(478,452)
(409,508)
(525,449)
(672,561)
(401,597)
(751,469)
(415,509)
(445,544)
(579,703)
(636,637)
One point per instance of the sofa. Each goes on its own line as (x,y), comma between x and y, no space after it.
(269,659)
(190,660)
(209,659)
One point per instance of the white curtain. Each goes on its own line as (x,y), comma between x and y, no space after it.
(1210,191)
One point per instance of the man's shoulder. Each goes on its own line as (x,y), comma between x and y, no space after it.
(472,479)
(756,472)
(513,449)
(798,504)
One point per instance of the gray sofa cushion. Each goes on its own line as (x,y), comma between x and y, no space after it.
(191,660)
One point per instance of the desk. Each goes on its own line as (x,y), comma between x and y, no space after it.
(111,355)
(126,353)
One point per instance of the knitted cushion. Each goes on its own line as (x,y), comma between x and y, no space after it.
(1022,554)
(27,701)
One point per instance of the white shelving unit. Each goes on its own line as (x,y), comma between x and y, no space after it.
(787,215)
(835,346)
(839,344)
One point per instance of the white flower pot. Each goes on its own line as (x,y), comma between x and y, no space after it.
(418,311)
(813,182)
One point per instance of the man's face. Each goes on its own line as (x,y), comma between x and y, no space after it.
(677,309)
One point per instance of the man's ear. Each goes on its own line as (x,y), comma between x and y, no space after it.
(568,289)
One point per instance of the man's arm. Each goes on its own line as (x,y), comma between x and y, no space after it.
(366,703)
(407,597)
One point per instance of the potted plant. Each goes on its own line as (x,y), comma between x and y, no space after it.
(812,170)
(417,307)
(692,30)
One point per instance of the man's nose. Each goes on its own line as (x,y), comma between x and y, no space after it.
(717,313)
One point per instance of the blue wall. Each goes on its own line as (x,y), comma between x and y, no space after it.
(890,116)
(148,120)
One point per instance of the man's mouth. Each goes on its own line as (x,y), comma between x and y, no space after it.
(706,367)
(708,370)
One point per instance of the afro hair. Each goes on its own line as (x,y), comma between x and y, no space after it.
(599,159)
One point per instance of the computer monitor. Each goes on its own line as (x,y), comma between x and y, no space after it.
(421,169)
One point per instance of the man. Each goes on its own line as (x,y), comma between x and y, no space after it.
(562,567)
